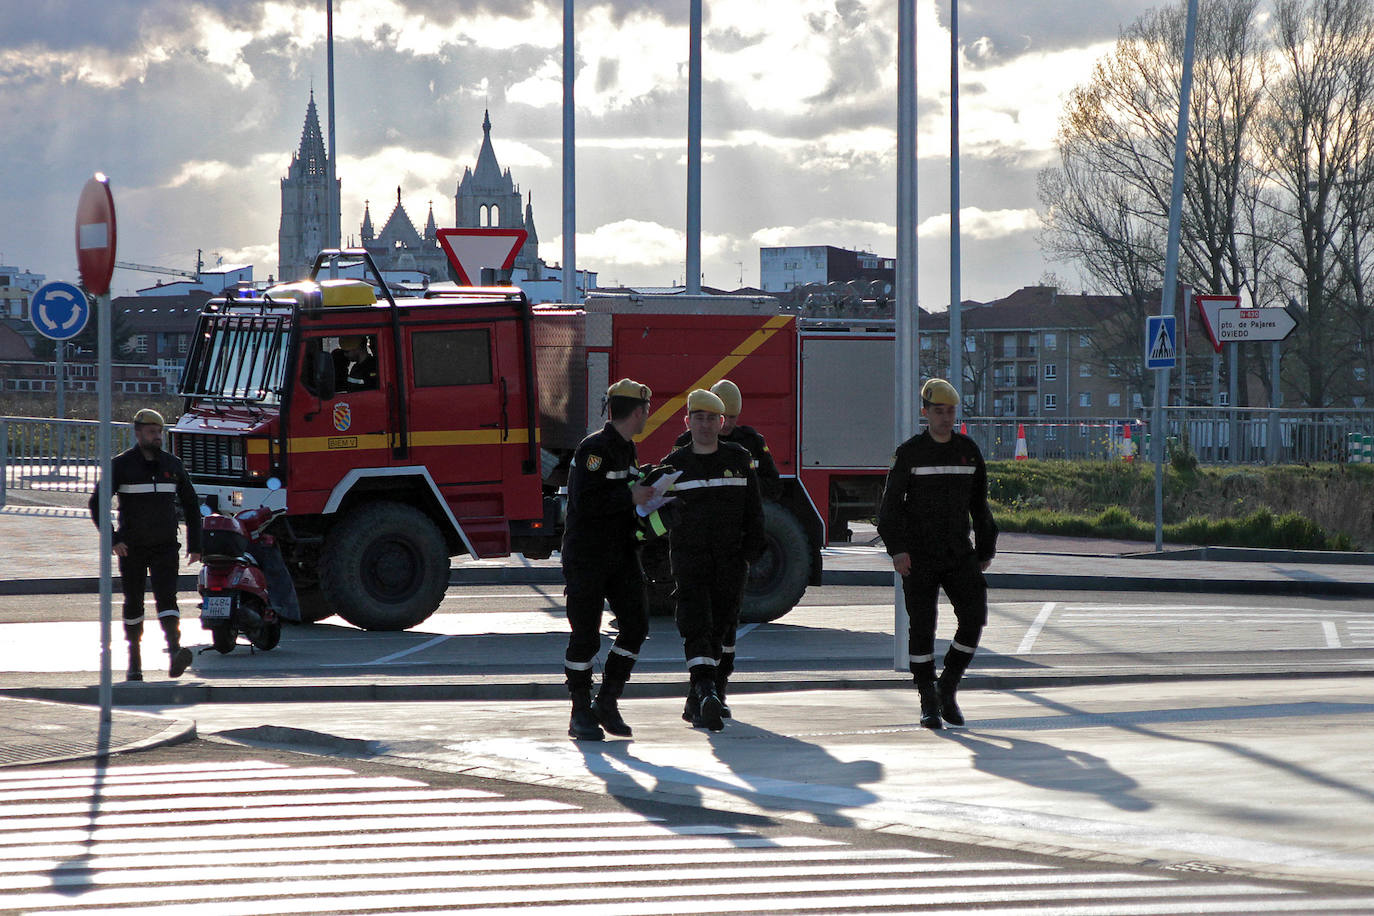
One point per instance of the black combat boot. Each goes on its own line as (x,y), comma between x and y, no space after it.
(708,708)
(583,725)
(720,695)
(691,709)
(947,686)
(179,658)
(930,704)
(135,663)
(607,710)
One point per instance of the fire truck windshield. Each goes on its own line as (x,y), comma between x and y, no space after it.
(238,358)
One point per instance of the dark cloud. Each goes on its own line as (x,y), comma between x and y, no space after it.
(1011,29)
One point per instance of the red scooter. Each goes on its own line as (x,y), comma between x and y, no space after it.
(232,583)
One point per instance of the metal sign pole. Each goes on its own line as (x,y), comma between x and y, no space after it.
(103,440)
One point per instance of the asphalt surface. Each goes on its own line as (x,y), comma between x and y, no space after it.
(1136,762)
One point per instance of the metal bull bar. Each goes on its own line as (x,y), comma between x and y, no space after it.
(40,453)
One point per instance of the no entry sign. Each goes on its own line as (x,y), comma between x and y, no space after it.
(95,235)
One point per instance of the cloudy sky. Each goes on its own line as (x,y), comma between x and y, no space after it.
(193,108)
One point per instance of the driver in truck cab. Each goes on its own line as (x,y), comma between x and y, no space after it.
(355,366)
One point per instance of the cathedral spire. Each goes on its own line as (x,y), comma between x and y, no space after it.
(431,228)
(311,158)
(488,171)
(367,233)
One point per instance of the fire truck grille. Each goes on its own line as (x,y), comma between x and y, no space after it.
(209,456)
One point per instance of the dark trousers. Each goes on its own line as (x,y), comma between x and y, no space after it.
(967,590)
(709,591)
(590,586)
(156,566)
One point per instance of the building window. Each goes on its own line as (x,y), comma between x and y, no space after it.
(1051,372)
(969,344)
(925,343)
(140,343)
(1051,401)
(1136,401)
(1083,341)
(1051,341)
(1114,399)
(1360,373)
(1051,432)
(1113,371)
(1223,399)
(1085,371)
(1085,399)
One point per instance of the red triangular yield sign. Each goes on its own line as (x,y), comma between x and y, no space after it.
(470,250)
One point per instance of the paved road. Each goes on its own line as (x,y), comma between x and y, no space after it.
(211,830)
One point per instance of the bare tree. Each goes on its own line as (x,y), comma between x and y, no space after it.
(1314,138)
(1107,204)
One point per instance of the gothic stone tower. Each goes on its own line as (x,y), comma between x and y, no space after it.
(488,196)
(305,202)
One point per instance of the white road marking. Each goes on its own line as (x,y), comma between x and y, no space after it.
(387,659)
(1333,638)
(1028,641)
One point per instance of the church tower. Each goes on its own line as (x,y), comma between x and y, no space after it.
(489,197)
(305,202)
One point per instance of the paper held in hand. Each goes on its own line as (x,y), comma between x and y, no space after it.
(660,497)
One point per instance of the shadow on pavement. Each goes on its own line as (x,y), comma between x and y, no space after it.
(1045,766)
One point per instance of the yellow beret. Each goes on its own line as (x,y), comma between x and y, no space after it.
(939,391)
(729,395)
(701,399)
(148,417)
(350,343)
(629,388)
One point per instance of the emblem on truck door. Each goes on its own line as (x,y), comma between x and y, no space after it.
(343,417)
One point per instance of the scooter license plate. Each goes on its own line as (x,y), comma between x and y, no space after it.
(217,607)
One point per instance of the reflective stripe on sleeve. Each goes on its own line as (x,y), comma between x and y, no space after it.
(617,475)
(943,469)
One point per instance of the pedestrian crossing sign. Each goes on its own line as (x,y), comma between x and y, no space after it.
(1161,336)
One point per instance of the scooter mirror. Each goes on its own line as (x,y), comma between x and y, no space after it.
(273,483)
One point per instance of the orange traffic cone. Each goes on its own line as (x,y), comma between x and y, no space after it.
(1127,446)
(1021,452)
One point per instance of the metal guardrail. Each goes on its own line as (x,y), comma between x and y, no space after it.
(41,453)
(1244,435)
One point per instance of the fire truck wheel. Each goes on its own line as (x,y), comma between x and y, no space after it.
(384,567)
(778,580)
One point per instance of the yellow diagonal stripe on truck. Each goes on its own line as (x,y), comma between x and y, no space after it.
(715,373)
(418,439)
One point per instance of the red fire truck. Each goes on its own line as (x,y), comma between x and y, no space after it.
(460,444)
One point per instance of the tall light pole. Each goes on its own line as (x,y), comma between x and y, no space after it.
(907,320)
(956,314)
(569,159)
(694,152)
(332,229)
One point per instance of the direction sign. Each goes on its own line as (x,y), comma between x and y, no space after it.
(1161,336)
(1208,307)
(59,310)
(1254,324)
(95,234)
(470,250)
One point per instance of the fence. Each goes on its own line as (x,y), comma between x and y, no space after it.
(38,453)
(1244,435)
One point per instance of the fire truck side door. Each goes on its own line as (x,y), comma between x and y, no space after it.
(350,429)
(467,422)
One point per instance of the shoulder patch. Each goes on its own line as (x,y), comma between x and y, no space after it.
(593,462)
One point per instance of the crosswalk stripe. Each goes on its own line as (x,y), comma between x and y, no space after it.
(252,784)
(646,899)
(362,847)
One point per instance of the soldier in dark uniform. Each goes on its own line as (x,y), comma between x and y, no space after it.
(355,366)
(599,562)
(719,532)
(770,481)
(150,483)
(937,489)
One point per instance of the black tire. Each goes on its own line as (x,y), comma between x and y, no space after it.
(384,567)
(224,638)
(779,579)
(266,637)
(314,606)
